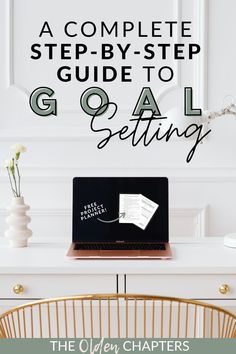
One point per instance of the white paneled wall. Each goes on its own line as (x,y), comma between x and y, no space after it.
(202,193)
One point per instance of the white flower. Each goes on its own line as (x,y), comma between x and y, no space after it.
(18,148)
(9,163)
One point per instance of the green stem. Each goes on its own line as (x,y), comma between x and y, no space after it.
(13,190)
(14,179)
(19,178)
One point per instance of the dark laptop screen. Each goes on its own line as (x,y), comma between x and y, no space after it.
(109,209)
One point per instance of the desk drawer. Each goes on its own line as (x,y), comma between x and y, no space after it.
(43,286)
(187,286)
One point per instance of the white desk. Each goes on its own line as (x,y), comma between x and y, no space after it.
(196,271)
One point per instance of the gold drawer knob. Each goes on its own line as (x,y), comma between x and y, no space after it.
(18,289)
(224,289)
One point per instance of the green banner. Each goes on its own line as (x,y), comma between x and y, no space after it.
(117,346)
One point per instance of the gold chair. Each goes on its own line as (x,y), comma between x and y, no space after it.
(117,316)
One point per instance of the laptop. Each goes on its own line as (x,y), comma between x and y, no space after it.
(120,217)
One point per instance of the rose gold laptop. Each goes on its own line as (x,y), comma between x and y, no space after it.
(120,217)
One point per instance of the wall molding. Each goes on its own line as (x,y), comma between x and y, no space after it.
(97,173)
(199,214)
(35,135)
(201,74)
(73,110)
(43,212)
(177,65)
(68,180)
(64,174)
(42,215)
(11,72)
(201,66)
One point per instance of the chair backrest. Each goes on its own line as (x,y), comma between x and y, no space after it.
(117,316)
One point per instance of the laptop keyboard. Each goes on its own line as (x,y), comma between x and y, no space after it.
(120,246)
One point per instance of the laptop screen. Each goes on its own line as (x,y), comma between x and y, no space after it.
(111,209)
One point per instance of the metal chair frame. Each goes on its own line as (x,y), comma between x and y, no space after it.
(177,317)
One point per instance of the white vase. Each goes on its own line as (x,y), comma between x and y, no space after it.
(18,232)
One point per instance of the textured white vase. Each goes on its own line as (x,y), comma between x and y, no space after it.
(18,232)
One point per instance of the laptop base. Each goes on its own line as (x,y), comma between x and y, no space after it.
(120,254)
